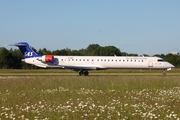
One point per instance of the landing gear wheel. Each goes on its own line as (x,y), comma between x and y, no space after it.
(81,73)
(164,72)
(85,73)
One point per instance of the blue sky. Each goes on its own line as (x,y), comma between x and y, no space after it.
(133,26)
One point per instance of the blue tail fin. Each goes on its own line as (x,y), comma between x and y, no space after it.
(26,50)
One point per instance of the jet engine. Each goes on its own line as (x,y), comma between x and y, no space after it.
(47,58)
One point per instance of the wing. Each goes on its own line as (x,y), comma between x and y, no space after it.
(76,67)
(73,67)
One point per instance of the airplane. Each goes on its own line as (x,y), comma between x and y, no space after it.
(83,64)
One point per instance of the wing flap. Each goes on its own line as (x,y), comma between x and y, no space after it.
(81,67)
(73,67)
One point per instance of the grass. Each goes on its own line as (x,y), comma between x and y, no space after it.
(61,97)
(93,72)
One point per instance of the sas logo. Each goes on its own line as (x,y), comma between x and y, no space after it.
(28,54)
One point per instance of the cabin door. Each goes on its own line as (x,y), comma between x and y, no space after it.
(150,63)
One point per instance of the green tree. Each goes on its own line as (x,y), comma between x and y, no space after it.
(178,62)
(109,51)
(92,49)
(172,59)
(124,54)
(16,58)
(132,54)
(83,52)
(43,51)
(75,52)
(6,58)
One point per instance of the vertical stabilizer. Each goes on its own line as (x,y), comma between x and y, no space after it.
(26,50)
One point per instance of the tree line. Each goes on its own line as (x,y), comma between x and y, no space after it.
(11,59)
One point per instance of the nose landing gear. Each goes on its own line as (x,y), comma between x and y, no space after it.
(164,72)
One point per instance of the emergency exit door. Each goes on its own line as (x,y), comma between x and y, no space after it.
(150,63)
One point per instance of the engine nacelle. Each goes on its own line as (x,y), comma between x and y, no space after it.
(47,58)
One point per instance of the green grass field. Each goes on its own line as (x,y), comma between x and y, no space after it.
(111,94)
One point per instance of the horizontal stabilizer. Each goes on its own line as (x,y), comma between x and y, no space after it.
(17,44)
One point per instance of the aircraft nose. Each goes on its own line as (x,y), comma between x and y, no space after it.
(171,65)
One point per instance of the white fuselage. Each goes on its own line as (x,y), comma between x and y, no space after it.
(103,62)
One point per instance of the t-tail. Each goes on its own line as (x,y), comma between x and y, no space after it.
(26,50)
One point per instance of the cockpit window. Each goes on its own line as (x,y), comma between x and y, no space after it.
(161,60)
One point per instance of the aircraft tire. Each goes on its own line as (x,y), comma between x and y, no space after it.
(80,73)
(164,72)
(86,73)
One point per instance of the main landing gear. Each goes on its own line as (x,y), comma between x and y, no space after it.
(84,72)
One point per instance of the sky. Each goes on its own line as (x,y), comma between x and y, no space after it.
(134,26)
